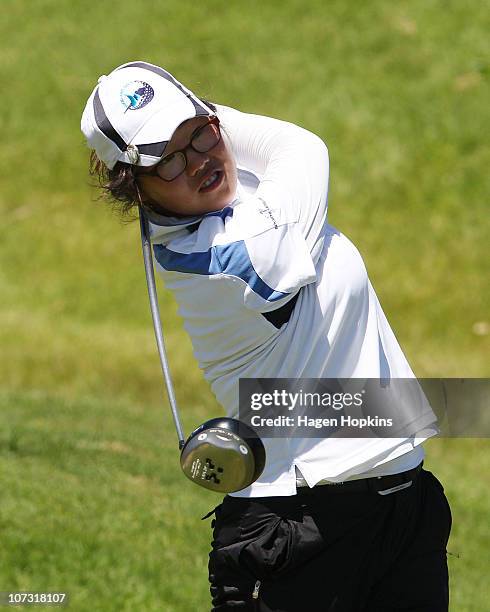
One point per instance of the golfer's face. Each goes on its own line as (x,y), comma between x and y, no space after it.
(208,182)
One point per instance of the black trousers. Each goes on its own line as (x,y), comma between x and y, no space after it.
(332,550)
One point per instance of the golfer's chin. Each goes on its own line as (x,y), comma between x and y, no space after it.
(224,195)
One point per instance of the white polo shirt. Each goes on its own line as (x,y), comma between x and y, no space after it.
(270,242)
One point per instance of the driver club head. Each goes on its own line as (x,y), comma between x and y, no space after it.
(223,455)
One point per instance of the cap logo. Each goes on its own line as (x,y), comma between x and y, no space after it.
(136,94)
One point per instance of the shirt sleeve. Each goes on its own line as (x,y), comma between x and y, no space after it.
(293,166)
(280,228)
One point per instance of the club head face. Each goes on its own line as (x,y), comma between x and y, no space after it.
(223,455)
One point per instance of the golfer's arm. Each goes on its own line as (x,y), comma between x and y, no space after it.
(292,162)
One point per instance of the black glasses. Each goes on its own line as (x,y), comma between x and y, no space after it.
(202,140)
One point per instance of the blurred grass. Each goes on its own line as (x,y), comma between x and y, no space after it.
(92,500)
(93,503)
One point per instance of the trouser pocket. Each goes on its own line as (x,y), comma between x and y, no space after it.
(254,548)
(237,570)
(231,586)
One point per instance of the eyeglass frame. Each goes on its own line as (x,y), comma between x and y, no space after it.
(214,120)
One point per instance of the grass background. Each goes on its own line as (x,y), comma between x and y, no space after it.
(92,501)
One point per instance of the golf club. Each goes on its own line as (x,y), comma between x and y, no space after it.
(222,454)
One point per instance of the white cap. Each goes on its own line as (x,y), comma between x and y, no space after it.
(133,112)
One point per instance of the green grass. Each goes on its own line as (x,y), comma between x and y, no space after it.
(92,500)
(93,503)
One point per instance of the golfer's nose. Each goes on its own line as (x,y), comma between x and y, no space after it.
(196,162)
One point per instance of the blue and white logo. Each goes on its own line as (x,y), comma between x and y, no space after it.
(136,94)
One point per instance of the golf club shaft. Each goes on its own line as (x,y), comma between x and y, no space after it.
(157,324)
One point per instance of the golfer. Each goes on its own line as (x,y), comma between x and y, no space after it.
(237,205)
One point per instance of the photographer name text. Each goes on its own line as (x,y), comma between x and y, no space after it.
(319,423)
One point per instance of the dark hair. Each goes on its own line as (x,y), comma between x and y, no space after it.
(118,184)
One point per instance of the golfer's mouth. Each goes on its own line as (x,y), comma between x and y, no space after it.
(212,181)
